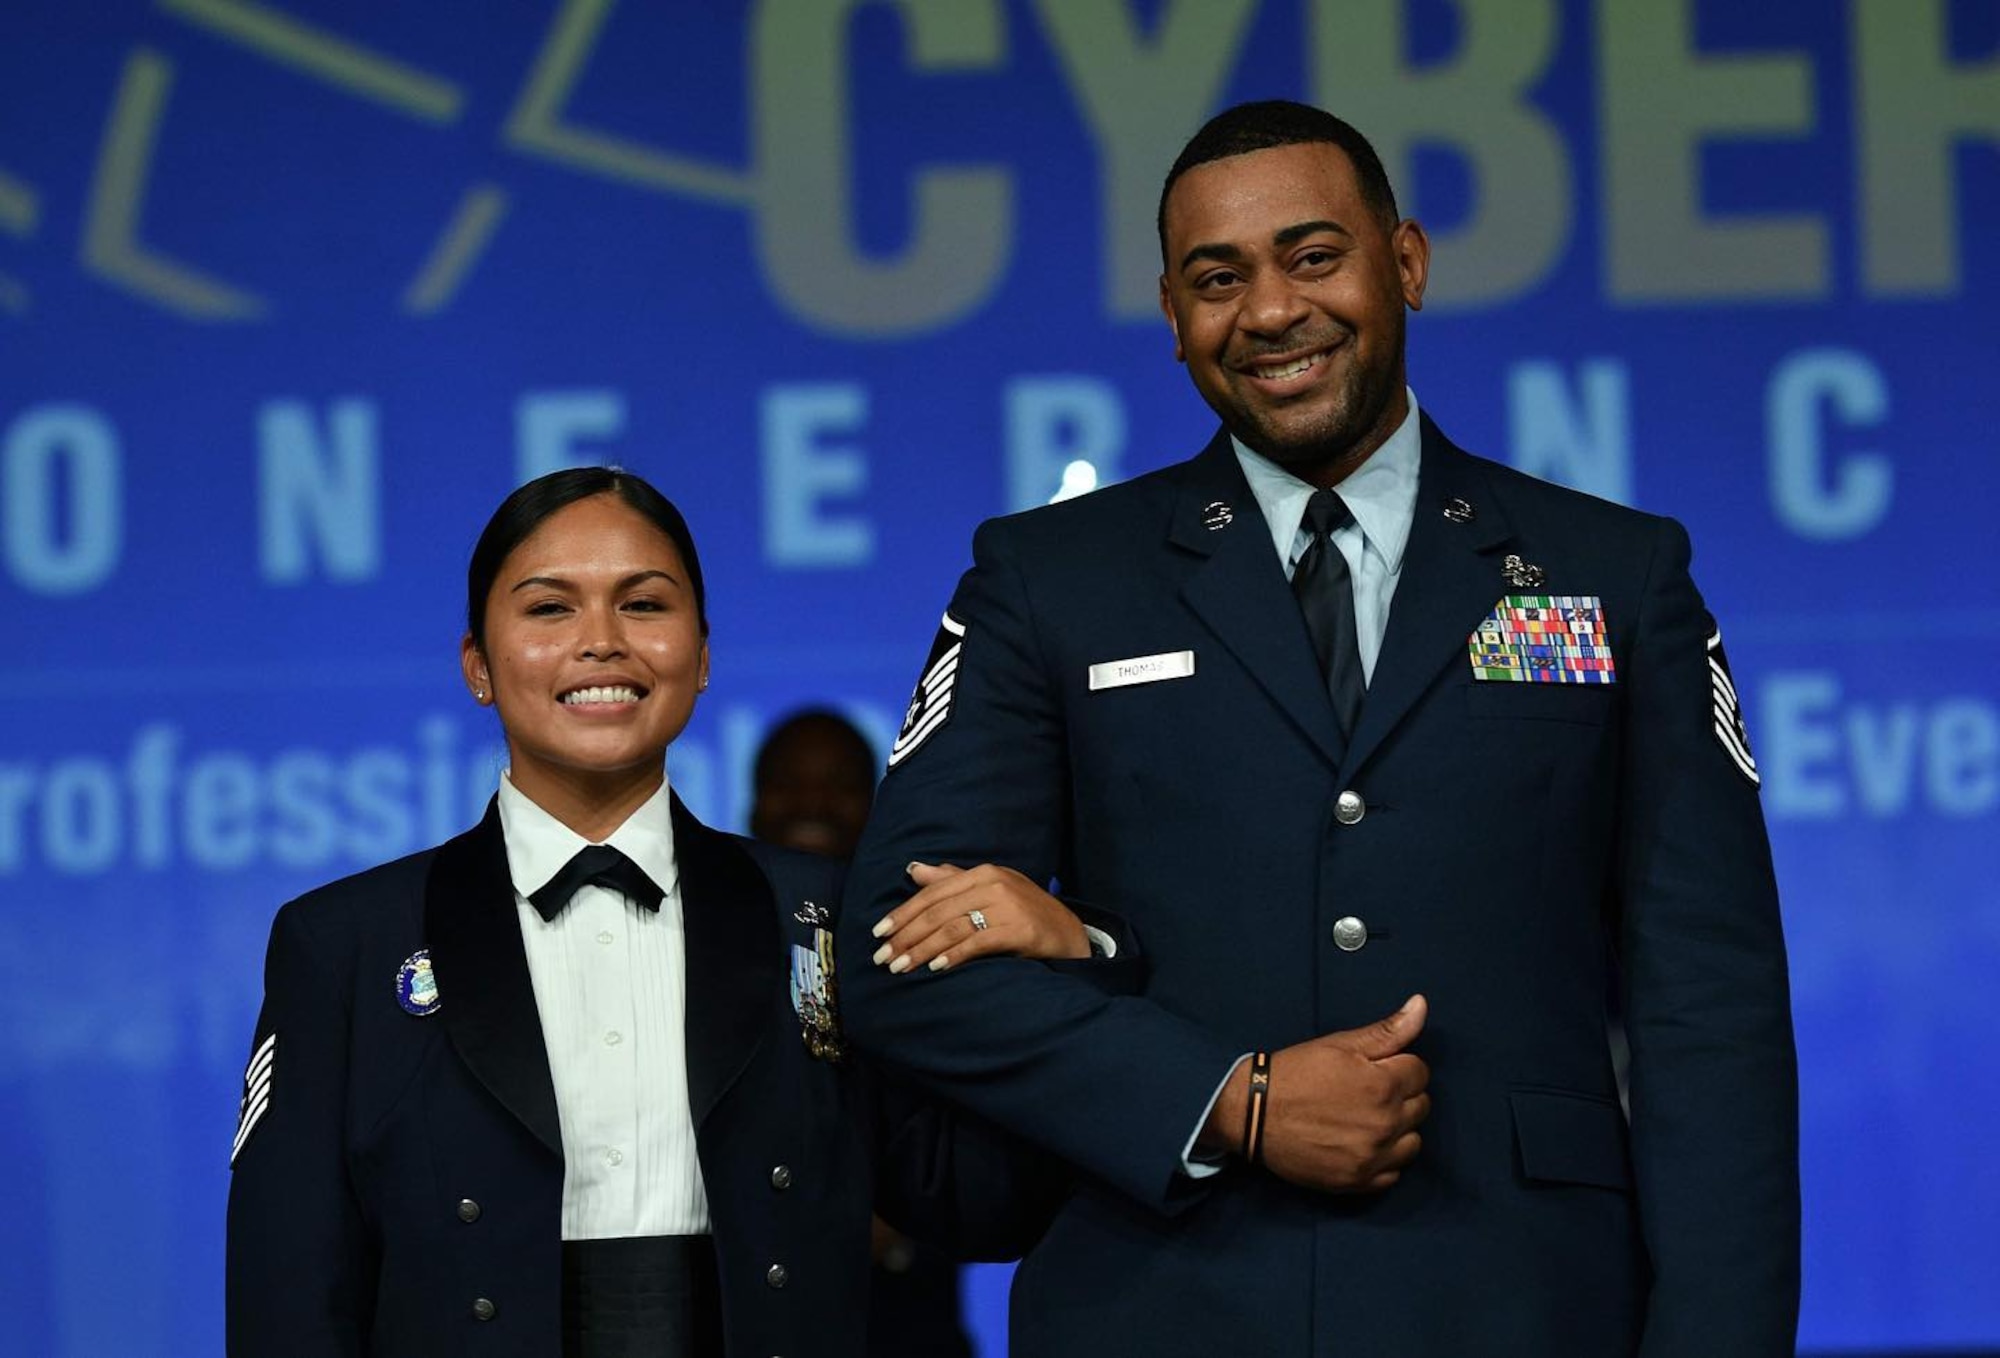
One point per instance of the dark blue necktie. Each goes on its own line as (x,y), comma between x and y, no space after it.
(598,865)
(1326,597)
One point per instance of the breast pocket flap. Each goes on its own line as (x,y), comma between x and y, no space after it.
(1588,704)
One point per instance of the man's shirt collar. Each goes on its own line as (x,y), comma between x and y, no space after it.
(1381,493)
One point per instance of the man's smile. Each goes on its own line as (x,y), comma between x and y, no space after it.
(1289,373)
(1281,369)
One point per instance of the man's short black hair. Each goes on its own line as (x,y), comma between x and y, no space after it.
(1267,123)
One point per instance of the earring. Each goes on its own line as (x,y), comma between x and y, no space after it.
(480,694)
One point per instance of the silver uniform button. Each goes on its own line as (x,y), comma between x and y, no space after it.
(1348,808)
(1349,934)
(776,1275)
(781,1176)
(483,1309)
(468,1211)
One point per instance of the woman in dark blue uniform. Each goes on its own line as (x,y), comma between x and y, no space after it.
(575,1082)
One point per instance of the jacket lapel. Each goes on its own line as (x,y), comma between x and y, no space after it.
(487,1000)
(735,962)
(1451,580)
(1237,588)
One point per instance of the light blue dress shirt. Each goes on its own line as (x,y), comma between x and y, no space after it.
(1382,496)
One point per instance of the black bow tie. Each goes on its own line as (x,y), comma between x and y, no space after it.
(598,865)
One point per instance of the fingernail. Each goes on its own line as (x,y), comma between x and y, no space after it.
(882,926)
(910,868)
(900,965)
(941,961)
(882,954)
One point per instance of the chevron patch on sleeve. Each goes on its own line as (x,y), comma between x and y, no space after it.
(1726,712)
(930,705)
(256,1092)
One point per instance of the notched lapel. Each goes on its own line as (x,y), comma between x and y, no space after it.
(487,999)
(735,958)
(1451,580)
(1238,591)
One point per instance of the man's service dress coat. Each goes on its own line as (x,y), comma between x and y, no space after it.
(1515,851)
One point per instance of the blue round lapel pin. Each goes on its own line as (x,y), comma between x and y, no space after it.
(416,985)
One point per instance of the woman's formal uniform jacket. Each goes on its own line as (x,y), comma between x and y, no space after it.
(398,1177)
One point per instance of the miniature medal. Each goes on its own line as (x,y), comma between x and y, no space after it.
(815,998)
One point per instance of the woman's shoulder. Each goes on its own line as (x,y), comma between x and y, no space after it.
(794,876)
(361,904)
(384,880)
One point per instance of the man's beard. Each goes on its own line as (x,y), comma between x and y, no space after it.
(1334,431)
(1328,435)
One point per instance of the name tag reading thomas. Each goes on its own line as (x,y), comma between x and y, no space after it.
(1141,669)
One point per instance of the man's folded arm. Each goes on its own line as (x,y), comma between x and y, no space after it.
(1114,1084)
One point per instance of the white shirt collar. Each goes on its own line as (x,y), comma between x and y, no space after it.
(1381,493)
(538,844)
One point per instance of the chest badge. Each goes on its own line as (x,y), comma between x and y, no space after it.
(1522,574)
(416,985)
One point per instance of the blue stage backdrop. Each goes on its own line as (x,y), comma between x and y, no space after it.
(293,291)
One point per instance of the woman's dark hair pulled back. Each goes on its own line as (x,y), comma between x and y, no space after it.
(533,504)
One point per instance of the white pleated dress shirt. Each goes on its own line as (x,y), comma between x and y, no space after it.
(610,986)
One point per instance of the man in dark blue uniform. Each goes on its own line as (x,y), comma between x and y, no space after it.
(1400,764)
